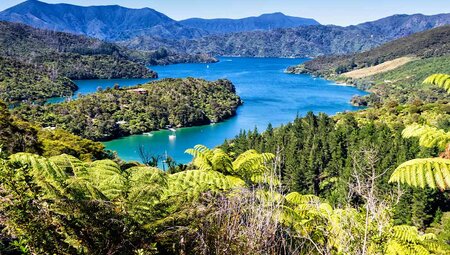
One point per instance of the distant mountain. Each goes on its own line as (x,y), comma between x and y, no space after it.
(104,22)
(263,22)
(309,41)
(147,29)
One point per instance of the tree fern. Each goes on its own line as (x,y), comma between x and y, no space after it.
(46,174)
(249,165)
(406,240)
(441,80)
(428,136)
(190,184)
(431,172)
(146,185)
(106,176)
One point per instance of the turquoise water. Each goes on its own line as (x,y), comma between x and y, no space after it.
(91,86)
(270,96)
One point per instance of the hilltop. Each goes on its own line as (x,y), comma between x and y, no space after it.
(268,35)
(306,41)
(268,21)
(111,22)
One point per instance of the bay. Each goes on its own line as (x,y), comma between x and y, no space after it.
(269,95)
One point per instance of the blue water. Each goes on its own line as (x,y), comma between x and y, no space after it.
(91,86)
(270,96)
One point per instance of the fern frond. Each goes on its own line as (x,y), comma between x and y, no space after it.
(428,136)
(106,176)
(431,172)
(296,198)
(441,80)
(47,174)
(190,184)
(221,161)
(146,185)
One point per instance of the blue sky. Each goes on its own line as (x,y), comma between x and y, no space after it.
(339,12)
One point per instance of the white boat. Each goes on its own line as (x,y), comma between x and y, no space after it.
(148,134)
(172,129)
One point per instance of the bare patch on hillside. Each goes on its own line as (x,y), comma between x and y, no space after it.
(381,68)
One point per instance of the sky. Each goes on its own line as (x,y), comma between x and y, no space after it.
(338,12)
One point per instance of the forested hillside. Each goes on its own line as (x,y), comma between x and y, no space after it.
(310,41)
(431,43)
(319,155)
(21,82)
(393,71)
(58,52)
(39,64)
(118,112)
(112,23)
(19,136)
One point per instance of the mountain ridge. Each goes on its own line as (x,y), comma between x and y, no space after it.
(266,21)
(310,41)
(102,22)
(118,23)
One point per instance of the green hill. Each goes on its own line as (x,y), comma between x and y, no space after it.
(431,43)
(393,71)
(39,64)
(20,82)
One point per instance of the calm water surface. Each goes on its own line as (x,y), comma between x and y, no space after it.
(270,96)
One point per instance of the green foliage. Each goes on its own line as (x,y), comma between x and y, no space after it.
(317,154)
(21,136)
(117,112)
(406,240)
(70,193)
(63,205)
(250,165)
(441,80)
(37,64)
(431,172)
(428,136)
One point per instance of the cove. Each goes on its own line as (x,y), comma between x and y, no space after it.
(269,95)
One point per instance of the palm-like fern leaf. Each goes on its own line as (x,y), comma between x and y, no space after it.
(428,136)
(46,174)
(145,187)
(190,184)
(432,172)
(202,157)
(441,80)
(106,176)
(406,240)
(251,165)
